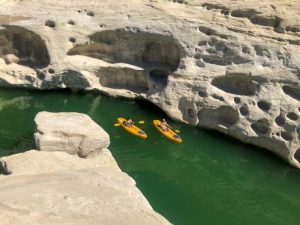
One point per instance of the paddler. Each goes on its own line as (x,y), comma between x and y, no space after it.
(128,122)
(164,125)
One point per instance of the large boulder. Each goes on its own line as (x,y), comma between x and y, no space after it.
(74,133)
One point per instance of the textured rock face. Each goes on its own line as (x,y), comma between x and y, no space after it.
(226,65)
(74,133)
(70,194)
(35,162)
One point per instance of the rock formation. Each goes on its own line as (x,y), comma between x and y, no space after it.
(224,65)
(75,133)
(54,187)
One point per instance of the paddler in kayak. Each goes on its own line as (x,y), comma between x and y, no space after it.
(164,125)
(128,122)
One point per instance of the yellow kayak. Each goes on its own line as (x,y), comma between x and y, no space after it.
(168,133)
(134,130)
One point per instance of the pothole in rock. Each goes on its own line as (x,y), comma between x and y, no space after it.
(71,39)
(280,120)
(237,100)
(292,116)
(71,22)
(224,115)
(220,98)
(202,92)
(292,91)
(261,126)
(50,23)
(241,13)
(220,52)
(258,18)
(25,44)
(264,105)
(286,136)
(236,85)
(244,110)
(90,13)
(51,71)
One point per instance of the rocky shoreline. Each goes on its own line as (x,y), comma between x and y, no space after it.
(227,66)
(53,185)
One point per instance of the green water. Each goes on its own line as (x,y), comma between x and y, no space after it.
(209,179)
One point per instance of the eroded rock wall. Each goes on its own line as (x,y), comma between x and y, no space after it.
(225,65)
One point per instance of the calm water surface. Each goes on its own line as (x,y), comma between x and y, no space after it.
(209,179)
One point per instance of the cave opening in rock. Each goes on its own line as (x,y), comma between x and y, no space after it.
(159,77)
(123,78)
(144,49)
(26,45)
(155,53)
(161,54)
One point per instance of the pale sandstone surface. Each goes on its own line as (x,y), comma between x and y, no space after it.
(74,133)
(88,196)
(232,66)
(54,187)
(34,162)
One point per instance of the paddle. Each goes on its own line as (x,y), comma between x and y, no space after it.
(177,131)
(118,124)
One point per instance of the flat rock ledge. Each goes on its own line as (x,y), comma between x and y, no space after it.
(54,187)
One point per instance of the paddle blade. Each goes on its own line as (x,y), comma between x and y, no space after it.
(141,122)
(177,131)
(117,124)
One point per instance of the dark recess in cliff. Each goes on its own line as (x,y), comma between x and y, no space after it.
(25,44)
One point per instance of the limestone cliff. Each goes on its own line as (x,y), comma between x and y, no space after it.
(231,66)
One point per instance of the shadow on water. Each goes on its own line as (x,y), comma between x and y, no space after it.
(150,108)
(248,148)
